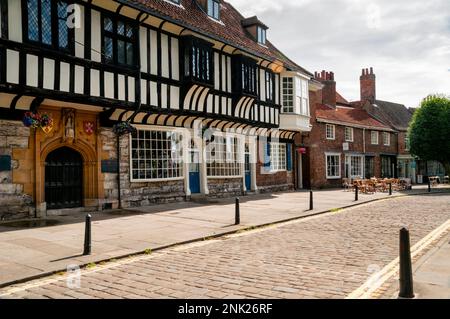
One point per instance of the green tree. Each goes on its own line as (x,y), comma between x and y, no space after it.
(429,132)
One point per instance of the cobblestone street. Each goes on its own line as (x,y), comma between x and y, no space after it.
(327,256)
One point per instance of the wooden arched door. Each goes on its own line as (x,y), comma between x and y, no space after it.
(63,179)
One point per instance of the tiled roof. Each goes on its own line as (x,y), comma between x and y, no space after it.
(341,100)
(229,30)
(396,115)
(348,115)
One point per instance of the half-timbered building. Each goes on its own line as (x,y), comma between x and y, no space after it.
(76,74)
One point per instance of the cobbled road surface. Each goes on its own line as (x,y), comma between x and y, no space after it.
(328,256)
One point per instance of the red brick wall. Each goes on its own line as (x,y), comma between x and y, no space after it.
(319,145)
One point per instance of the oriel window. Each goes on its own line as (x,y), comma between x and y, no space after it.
(47,24)
(119,41)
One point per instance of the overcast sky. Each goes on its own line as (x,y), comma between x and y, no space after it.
(406,41)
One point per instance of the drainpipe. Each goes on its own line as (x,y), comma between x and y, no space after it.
(119,196)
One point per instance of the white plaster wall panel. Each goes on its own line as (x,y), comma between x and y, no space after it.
(224,73)
(153,52)
(79,79)
(164,55)
(153,94)
(15,20)
(143,48)
(109,85)
(79,35)
(229,74)
(175,60)
(64,78)
(96,36)
(95,82)
(163,96)
(121,87)
(262,84)
(131,89)
(144,91)
(32,70)
(49,74)
(209,103)
(175,97)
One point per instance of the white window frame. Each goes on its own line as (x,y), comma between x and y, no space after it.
(211,10)
(350,162)
(228,153)
(180,160)
(374,138)
(339,165)
(351,138)
(261,34)
(278,153)
(386,139)
(288,94)
(333,130)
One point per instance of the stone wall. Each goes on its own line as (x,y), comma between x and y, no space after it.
(226,187)
(16,199)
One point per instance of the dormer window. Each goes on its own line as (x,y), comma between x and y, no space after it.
(214,9)
(261,35)
(256,29)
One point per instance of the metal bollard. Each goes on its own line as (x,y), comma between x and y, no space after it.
(406,276)
(237,212)
(87,236)
(356,193)
(429,186)
(311,200)
(390,189)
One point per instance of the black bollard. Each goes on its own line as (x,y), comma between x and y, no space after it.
(390,189)
(406,276)
(87,236)
(311,200)
(237,212)
(356,193)
(429,185)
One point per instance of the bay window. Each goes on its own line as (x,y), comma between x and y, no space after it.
(119,41)
(222,157)
(47,24)
(295,94)
(198,60)
(244,75)
(156,155)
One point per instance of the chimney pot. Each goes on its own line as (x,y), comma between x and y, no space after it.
(371,70)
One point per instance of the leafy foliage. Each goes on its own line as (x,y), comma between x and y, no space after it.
(429,132)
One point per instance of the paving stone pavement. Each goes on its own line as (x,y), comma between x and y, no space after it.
(327,256)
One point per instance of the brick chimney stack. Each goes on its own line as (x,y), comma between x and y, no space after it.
(329,89)
(368,85)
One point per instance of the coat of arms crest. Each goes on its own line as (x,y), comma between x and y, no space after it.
(89,127)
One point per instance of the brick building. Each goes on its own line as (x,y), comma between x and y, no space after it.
(345,141)
(397,117)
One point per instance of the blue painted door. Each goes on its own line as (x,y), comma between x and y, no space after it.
(248,171)
(194,172)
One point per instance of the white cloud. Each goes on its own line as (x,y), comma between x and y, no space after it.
(406,41)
